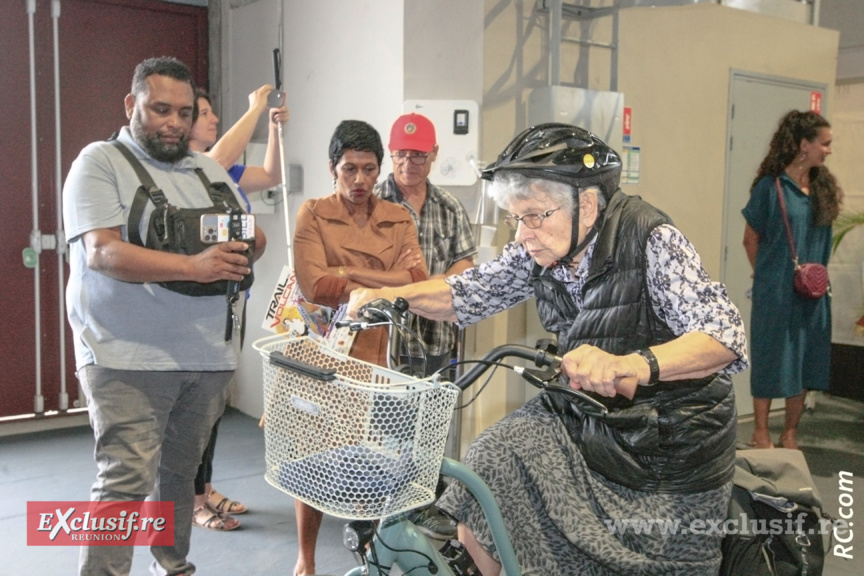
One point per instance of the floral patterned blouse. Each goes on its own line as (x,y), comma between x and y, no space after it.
(682,294)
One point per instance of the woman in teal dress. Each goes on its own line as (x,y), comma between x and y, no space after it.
(790,336)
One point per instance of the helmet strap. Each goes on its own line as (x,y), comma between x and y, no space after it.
(589,236)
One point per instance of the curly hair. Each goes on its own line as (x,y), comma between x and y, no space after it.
(785,146)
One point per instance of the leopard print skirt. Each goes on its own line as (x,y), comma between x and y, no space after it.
(561,515)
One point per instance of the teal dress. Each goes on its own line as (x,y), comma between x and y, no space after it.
(790,337)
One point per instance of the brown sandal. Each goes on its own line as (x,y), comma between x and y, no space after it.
(224,505)
(206,517)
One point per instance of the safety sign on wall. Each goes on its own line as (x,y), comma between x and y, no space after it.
(627,123)
(816,102)
(630,169)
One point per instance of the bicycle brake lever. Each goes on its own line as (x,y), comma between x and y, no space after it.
(356,326)
(538,378)
(582,396)
(626,386)
(532,378)
(375,311)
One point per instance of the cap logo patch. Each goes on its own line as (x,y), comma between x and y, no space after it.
(588,161)
(410,128)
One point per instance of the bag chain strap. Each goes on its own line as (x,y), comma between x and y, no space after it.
(786,222)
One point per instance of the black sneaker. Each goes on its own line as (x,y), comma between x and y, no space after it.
(434,522)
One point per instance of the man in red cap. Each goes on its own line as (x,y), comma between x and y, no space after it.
(447,244)
(442,224)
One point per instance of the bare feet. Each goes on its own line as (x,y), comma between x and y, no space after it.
(789,439)
(760,439)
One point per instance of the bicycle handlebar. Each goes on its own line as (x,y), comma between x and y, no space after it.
(381,310)
(541,358)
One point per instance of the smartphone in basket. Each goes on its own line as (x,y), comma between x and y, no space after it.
(223,227)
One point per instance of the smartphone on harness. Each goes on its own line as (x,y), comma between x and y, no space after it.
(217,228)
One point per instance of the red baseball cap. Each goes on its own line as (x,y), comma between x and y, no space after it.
(412,132)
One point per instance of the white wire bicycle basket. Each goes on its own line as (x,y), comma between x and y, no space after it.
(347,437)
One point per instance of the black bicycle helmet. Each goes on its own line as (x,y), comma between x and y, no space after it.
(566,154)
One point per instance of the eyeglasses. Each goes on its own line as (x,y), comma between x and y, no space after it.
(532,221)
(416,158)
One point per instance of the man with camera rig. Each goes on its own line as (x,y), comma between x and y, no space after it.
(152,321)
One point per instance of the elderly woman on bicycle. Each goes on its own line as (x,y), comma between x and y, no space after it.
(627,296)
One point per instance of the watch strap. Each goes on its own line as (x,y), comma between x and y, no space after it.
(653,365)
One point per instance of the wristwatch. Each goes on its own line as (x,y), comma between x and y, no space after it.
(649,357)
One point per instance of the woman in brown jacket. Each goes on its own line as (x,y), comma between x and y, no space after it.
(351,239)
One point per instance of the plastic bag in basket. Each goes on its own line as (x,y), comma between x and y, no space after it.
(364,477)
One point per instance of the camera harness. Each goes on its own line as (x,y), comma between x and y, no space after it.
(162,236)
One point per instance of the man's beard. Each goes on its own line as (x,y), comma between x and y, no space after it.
(154,146)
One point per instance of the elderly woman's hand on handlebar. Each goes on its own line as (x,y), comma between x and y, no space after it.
(591,369)
(358,298)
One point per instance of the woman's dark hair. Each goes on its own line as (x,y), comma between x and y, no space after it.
(200,93)
(785,146)
(355,135)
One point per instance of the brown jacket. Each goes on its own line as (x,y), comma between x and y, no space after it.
(326,238)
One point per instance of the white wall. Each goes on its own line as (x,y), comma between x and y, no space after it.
(342,60)
(444,61)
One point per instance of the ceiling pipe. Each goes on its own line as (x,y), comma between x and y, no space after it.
(555,20)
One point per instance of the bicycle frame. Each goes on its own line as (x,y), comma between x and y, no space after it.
(398,542)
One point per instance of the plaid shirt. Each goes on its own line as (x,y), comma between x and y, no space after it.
(445,238)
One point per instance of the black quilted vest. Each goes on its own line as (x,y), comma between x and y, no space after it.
(676,436)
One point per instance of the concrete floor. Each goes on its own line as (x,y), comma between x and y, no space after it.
(58,465)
